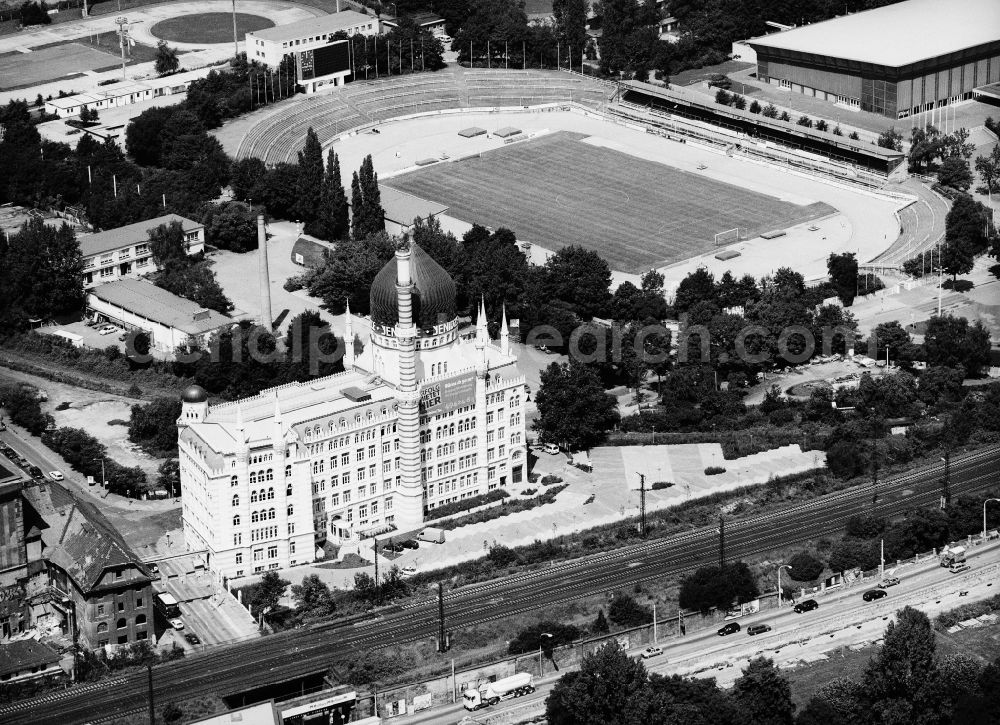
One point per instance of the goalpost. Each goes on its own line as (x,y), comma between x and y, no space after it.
(730,236)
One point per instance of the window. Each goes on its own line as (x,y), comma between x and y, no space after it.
(140,619)
(254,517)
(121,605)
(237,539)
(236,520)
(362,511)
(100,611)
(290,510)
(291,527)
(270,513)
(288,490)
(258,554)
(253,497)
(272,552)
(102,627)
(291,546)
(122,623)
(234,481)
(270,493)
(360,455)
(239,557)
(288,471)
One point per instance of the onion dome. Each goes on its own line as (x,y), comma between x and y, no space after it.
(194,394)
(433,292)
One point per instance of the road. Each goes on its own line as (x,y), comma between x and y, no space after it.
(238,667)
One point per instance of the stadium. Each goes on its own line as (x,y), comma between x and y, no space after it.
(646,177)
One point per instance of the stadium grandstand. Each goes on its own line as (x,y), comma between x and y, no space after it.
(896,61)
(691,115)
(363,104)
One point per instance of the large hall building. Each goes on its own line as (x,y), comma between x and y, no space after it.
(896,61)
(419,418)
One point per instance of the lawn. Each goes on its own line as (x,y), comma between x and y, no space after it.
(21,70)
(208,28)
(556,191)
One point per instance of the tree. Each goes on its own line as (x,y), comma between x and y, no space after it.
(600,692)
(950,341)
(901,680)
(626,612)
(805,121)
(805,567)
(600,625)
(941,384)
(755,106)
(890,138)
(310,181)
(169,478)
(845,460)
(144,135)
(333,222)
(348,272)
(231,225)
(698,286)
(822,125)
(709,588)
(770,111)
(545,636)
(988,168)
(571,24)
(892,338)
(166,244)
(34,13)
(843,271)
(313,598)
(763,695)
(722,97)
(312,348)
(581,278)
(166,59)
(267,593)
(954,172)
(367,214)
(154,426)
(41,269)
(852,553)
(573,409)
(784,116)
(244,177)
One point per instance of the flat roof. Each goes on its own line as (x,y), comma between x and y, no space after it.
(895,35)
(112,239)
(157,305)
(403,208)
(313,26)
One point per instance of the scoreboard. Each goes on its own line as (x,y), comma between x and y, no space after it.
(325,60)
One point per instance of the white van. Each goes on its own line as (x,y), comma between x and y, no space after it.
(551,448)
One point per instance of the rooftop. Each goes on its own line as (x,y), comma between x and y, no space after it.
(403,208)
(25,654)
(313,26)
(157,305)
(112,239)
(895,35)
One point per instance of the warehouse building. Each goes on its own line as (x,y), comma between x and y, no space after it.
(895,61)
(419,418)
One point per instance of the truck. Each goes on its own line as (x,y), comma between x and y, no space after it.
(490,693)
(953,555)
(435,536)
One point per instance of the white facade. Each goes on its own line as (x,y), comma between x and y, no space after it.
(419,418)
(270,45)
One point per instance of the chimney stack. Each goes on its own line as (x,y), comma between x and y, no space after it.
(265,277)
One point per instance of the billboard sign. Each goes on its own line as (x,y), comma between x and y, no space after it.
(445,396)
(325,60)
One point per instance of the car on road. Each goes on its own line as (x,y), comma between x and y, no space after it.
(758,629)
(177,623)
(410,544)
(408,571)
(872,594)
(651,651)
(958,568)
(807,606)
(107,330)
(551,448)
(889,581)
(192,638)
(35,471)
(729,628)
(56,476)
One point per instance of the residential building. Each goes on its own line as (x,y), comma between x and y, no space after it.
(420,417)
(170,321)
(25,660)
(125,252)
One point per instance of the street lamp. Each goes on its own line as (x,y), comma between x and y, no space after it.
(104,478)
(543,634)
(783,566)
(984,514)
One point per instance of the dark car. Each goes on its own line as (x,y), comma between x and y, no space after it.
(729,628)
(758,629)
(807,606)
(410,544)
(873,594)
(35,471)
(192,638)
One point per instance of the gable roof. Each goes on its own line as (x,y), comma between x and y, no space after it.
(156,304)
(137,233)
(22,654)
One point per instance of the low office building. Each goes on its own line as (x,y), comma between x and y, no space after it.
(124,93)
(170,321)
(309,251)
(425,21)
(25,660)
(419,418)
(124,252)
(320,58)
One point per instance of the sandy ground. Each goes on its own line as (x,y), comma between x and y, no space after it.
(865,225)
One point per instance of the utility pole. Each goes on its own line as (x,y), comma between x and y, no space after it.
(236,42)
(874,464)
(152,711)
(722,544)
(946,480)
(642,504)
(441,641)
(378,587)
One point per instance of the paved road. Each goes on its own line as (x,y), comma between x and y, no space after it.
(273,659)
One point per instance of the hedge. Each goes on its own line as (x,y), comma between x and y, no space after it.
(465,504)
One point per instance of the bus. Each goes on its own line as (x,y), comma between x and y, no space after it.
(167,605)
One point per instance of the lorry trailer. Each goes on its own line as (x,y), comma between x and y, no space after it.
(491,693)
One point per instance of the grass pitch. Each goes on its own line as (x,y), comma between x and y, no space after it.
(208,28)
(21,70)
(556,191)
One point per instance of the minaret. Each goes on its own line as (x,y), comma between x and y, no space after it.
(348,339)
(504,333)
(408,501)
(265,277)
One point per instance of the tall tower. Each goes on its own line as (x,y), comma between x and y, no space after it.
(409,499)
(265,277)
(348,338)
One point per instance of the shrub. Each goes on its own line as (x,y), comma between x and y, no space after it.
(600,625)
(714,470)
(709,588)
(502,556)
(805,567)
(967,611)
(626,612)
(529,491)
(549,480)
(959,285)
(755,106)
(658,485)
(466,504)
(531,639)
(296,282)
(851,553)
(509,506)
(723,98)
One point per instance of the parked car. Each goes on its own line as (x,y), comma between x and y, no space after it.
(192,638)
(651,651)
(410,544)
(177,623)
(958,568)
(35,471)
(890,581)
(551,448)
(872,594)
(729,628)
(108,330)
(56,476)
(758,629)
(408,570)
(807,606)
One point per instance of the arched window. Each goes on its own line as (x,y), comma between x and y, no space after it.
(121,624)
(291,509)
(234,481)
(140,619)
(288,490)
(270,492)
(253,496)
(236,499)
(288,471)
(236,520)
(270,474)
(270,513)
(102,627)
(253,477)
(254,517)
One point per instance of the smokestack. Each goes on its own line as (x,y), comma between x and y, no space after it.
(265,277)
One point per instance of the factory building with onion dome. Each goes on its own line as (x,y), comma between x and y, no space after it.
(420,417)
